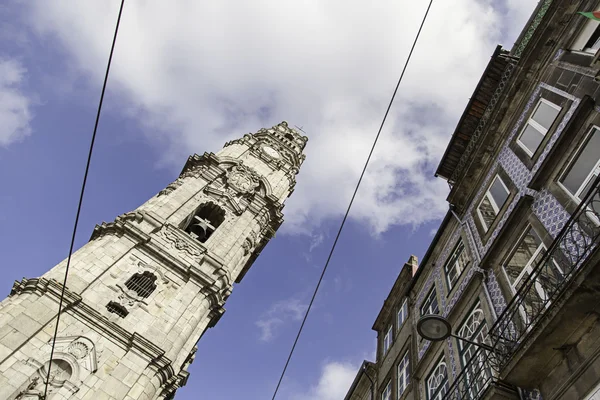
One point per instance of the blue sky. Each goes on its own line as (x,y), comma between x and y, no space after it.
(187,78)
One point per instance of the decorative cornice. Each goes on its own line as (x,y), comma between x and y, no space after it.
(526,36)
(215,315)
(466,158)
(206,164)
(182,242)
(118,227)
(180,380)
(123,227)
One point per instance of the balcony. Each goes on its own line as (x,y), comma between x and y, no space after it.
(552,313)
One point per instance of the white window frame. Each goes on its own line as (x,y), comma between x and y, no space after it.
(402,313)
(403,373)
(479,334)
(455,264)
(591,176)
(533,123)
(437,393)
(489,196)
(432,294)
(387,392)
(387,340)
(528,269)
(584,36)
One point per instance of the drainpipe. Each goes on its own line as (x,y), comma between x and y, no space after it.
(372,383)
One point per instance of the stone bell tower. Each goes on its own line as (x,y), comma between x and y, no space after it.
(146,287)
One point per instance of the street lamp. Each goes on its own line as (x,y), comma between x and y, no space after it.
(435,328)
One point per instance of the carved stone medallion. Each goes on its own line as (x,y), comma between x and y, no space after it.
(242,179)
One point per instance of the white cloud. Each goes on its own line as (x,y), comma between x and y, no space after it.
(334,382)
(15,106)
(281,312)
(316,240)
(198,74)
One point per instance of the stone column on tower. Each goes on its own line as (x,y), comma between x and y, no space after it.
(146,287)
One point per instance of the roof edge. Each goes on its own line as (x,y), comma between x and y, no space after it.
(497,52)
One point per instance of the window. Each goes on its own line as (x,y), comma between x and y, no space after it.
(142,284)
(474,329)
(456,264)
(437,381)
(387,340)
(584,168)
(528,252)
(387,392)
(116,308)
(403,374)
(430,305)
(492,202)
(205,221)
(588,40)
(537,126)
(402,313)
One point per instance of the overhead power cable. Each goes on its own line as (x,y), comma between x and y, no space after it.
(351,202)
(83,184)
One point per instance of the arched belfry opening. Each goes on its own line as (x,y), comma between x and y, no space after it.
(205,221)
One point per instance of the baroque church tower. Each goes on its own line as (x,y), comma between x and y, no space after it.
(146,287)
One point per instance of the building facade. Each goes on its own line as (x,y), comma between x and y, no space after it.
(515,262)
(147,286)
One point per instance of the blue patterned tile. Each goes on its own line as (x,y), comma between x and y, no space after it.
(552,215)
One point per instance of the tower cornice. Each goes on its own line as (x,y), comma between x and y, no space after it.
(123,225)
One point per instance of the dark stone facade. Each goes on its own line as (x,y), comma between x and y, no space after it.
(543,326)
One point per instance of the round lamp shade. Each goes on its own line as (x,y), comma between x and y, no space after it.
(434,327)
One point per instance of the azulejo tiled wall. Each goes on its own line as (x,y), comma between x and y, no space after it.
(550,212)
(435,278)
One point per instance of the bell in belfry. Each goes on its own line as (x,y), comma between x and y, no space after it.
(200,229)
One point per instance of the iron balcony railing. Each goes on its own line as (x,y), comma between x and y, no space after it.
(549,278)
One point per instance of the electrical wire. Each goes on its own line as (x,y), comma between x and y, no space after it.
(351,202)
(85,175)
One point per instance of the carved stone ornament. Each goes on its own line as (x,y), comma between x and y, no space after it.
(180,243)
(143,267)
(127,298)
(242,179)
(79,350)
(226,197)
(249,243)
(170,187)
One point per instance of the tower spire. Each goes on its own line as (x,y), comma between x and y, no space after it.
(147,286)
